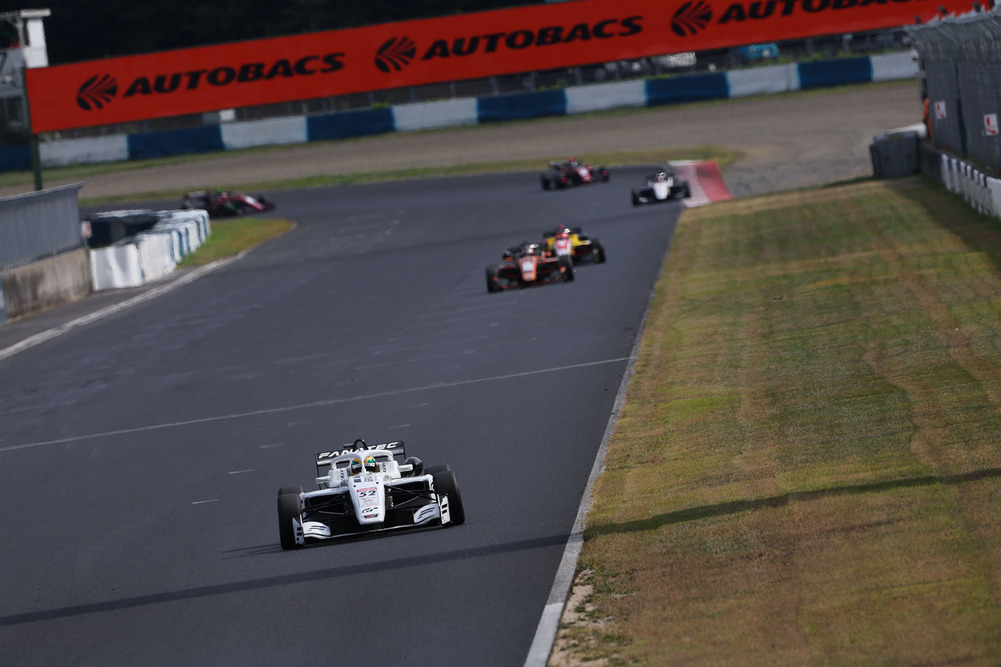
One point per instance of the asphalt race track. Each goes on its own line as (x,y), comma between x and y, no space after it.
(140,455)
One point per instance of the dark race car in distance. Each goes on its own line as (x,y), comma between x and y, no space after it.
(226,203)
(660,187)
(571,172)
(526,265)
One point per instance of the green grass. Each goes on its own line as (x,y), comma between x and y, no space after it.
(806,469)
(232,236)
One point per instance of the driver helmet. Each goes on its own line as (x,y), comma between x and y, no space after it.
(355,467)
(562,230)
(371,465)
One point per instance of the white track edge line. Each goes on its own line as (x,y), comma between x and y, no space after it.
(549,623)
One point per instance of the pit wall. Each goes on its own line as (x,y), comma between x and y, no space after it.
(766,80)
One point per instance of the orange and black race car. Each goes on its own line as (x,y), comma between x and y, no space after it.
(526,265)
(573,242)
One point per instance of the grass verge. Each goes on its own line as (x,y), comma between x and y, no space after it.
(806,469)
(232,236)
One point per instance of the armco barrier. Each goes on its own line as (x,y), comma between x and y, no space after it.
(834,72)
(521,106)
(695,88)
(349,124)
(175,142)
(15,158)
(765,80)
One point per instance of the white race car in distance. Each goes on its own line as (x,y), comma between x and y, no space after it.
(365,489)
(662,186)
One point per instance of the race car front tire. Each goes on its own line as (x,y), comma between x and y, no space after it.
(636,198)
(546,184)
(492,280)
(288,509)
(444,483)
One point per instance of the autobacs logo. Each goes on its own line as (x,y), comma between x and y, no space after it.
(691,17)
(398,52)
(98,91)
(395,54)
(695,15)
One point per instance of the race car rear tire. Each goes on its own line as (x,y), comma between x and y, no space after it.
(288,509)
(567,263)
(687,192)
(444,483)
(290,489)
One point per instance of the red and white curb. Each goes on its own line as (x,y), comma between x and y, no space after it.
(704,180)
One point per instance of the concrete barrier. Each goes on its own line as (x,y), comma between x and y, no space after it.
(604,96)
(46,283)
(768,80)
(431,115)
(113,148)
(267,132)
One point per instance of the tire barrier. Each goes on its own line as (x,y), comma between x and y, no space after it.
(767,80)
(151,254)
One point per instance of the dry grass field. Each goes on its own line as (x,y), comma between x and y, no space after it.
(806,469)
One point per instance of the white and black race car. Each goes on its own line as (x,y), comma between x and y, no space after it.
(660,187)
(365,489)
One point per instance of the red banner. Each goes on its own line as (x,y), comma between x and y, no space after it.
(411,53)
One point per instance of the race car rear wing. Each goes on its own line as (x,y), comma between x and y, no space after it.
(326,458)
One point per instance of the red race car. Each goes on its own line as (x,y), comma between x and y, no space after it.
(528,264)
(226,203)
(570,172)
